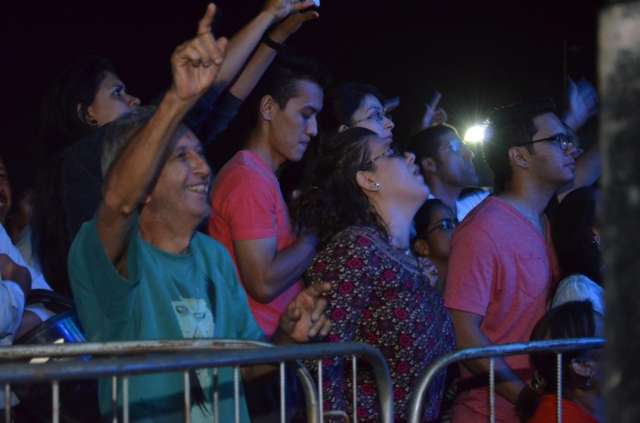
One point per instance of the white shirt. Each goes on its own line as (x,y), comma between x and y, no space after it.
(465,204)
(12,301)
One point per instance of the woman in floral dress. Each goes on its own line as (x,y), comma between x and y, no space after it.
(361,203)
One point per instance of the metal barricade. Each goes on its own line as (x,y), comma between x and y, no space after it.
(124,359)
(490,352)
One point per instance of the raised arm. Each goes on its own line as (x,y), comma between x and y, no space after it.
(264,54)
(243,43)
(583,104)
(194,65)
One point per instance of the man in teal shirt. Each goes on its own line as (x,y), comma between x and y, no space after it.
(140,271)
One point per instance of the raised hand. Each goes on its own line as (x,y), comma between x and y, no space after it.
(305,318)
(583,103)
(433,116)
(196,63)
(292,24)
(280,9)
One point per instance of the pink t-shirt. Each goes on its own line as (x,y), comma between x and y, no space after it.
(247,204)
(503,269)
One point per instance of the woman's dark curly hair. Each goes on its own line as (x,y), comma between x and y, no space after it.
(333,200)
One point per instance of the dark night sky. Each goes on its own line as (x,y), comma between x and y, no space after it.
(478,54)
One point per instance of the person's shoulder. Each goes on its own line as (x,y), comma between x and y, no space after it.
(87,147)
(204,242)
(241,171)
(490,213)
(360,239)
(355,232)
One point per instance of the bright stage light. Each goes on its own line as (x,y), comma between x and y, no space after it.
(475,134)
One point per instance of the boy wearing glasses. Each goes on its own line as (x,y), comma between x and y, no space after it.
(502,266)
(434,225)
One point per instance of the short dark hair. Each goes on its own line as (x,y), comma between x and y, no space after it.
(280,80)
(510,126)
(427,142)
(424,216)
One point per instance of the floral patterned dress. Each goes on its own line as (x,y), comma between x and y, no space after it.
(384,298)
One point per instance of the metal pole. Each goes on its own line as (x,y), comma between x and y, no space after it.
(125,399)
(216,397)
(187,397)
(283,411)
(114,398)
(7,403)
(320,396)
(236,392)
(492,390)
(559,385)
(55,394)
(354,370)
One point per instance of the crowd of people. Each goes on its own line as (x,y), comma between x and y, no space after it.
(322,228)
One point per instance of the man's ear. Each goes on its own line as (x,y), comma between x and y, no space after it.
(428,165)
(365,180)
(519,156)
(267,107)
(342,128)
(421,247)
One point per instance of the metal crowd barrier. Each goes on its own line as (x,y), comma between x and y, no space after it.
(552,346)
(124,359)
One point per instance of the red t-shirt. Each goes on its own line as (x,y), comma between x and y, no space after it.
(571,412)
(502,269)
(247,204)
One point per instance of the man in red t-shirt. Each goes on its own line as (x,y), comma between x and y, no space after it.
(502,266)
(249,215)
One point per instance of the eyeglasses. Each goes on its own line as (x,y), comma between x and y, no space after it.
(377,116)
(564,141)
(444,225)
(392,150)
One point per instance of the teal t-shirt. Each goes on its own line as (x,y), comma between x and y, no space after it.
(165,297)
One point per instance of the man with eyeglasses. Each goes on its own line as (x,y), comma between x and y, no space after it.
(448,168)
(503,265)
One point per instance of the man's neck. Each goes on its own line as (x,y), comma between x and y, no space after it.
(172,236)
(445,193)
(529,199)
(258,143)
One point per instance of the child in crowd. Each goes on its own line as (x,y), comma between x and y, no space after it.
(582,399)
(434,225)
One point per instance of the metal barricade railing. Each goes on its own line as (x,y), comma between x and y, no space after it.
(490,352)
(124,359)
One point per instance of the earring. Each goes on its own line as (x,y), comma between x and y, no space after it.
(377,185)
